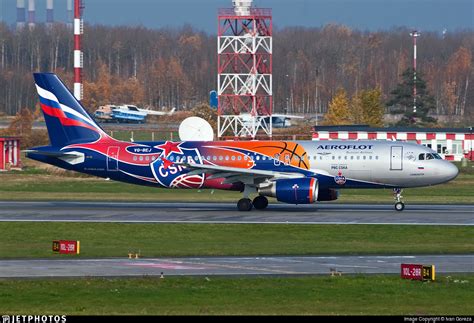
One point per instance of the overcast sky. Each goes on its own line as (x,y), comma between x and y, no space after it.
(432,15)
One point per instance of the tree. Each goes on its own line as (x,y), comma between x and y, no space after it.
(372,107)
(338,111)
(402,100)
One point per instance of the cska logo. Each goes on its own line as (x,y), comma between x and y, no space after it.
(340,179)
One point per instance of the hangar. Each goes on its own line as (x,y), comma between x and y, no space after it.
(9,153)
(451,143)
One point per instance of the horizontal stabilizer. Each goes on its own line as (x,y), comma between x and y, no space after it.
(71,157)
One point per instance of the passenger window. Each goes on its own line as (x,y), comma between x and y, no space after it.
(421,157)
(429,156)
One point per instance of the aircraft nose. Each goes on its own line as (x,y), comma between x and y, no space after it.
(450,171)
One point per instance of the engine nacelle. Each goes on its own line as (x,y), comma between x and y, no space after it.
(293,191)
(328,194)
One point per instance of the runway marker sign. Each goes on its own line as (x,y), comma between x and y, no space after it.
(66,246)
(418,272)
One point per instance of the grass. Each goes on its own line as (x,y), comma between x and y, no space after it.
(34,240)
(323,295)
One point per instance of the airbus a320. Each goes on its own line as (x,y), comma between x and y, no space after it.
(293,172)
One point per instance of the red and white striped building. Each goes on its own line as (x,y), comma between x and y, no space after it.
(9,153)
(450,143)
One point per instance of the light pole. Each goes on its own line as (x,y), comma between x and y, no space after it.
(414,34)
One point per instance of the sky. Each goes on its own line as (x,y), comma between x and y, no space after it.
(372,15)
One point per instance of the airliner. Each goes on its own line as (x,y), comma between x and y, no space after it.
(293,172)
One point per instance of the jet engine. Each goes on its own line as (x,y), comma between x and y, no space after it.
(328,194)
(292,191)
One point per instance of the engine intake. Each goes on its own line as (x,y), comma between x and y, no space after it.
(293,191)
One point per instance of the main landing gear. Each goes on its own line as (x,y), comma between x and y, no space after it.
(397,194)
(245,204)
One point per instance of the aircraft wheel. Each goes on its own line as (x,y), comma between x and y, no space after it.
(399,206)
(260,202)
(244,204)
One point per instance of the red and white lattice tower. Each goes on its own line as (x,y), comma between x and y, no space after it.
(78,58)
(244,80)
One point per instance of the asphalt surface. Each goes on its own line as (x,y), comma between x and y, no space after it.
(143,212)
(229,266)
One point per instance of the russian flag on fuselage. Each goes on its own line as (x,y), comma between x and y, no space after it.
(67,121)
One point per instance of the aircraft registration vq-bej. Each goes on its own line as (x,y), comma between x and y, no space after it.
(294,172)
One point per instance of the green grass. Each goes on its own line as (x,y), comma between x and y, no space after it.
(27,239)
(356,295)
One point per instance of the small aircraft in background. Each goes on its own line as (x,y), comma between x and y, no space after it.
(278,120)
(126,113)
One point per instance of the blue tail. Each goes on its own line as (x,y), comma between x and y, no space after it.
(66,119)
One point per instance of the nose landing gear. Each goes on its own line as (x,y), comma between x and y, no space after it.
(397,195)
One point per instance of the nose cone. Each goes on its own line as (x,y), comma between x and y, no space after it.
(450,171)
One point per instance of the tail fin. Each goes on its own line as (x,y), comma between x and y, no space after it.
(66,119)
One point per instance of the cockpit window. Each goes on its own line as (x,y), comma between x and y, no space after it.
(428,156)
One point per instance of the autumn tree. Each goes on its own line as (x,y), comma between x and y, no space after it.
(402,100)
(338,111)
(371,107)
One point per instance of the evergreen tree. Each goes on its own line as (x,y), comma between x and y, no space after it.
(402,100)
(338,111)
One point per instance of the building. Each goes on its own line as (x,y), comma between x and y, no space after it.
(450,143)
(9,153)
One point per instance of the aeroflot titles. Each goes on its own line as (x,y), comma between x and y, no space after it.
(361,147)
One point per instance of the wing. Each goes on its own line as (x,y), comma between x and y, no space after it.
(235,174)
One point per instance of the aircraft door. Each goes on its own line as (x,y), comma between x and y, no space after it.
(396,162)
(112,158)
(276,160)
